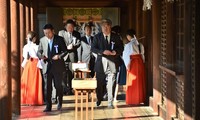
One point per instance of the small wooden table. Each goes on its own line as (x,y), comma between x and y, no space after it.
(81,86)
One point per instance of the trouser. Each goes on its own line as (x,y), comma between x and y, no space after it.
(58,85)
(44,88)
(91,66)
(101,86)
(68,76)
(108,79)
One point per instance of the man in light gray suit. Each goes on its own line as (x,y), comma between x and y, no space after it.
(108,47)
(72,41)
(84,51)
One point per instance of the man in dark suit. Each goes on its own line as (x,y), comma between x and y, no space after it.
(72,41)
(51,50)
(108,47)
(84,51)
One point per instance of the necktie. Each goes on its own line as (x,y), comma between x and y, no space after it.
(70,37)
(107,40)
(108,43)
(50,49)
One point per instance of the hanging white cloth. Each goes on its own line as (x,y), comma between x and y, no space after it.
(147,5)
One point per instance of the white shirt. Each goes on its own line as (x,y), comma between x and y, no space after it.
(72,39)
(88,39)
(69,35)
(50,41)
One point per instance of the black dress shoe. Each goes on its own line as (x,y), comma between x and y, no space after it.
(59,107)
(47,110)
(98,103)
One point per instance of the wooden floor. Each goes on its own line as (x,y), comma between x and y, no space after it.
(121,112)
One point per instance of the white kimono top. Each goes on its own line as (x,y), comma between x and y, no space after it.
(131,48)
(30,49)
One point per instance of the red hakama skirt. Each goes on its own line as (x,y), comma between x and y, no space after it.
(136,84)
(31,84)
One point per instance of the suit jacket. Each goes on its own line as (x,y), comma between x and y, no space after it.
(73,55)
(58,48)
(99,45)
(84,51)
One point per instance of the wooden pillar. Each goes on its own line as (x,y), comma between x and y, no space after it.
(197,60)
(22,26)
(132,14)
(156,32)
(148,46)
(27,16)
(35,11)
(136,15)
(15,56)
(5,79)
(139,19)
(171,35)
(31,17)
(189,59)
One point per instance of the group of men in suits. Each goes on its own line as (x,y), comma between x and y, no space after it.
(58,52)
